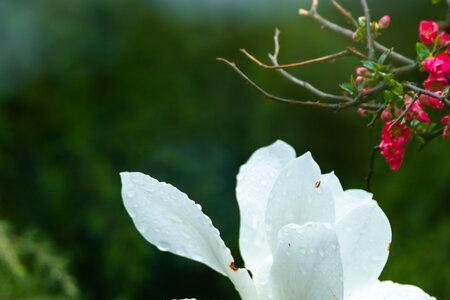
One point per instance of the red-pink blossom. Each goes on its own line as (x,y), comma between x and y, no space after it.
(435,83)
(428,31)
(384,22)
(394,137)
(444,39)
(394,154)
(431,101)
(438,65)
(386,114)
(445,120)
(416,111)
(396,133)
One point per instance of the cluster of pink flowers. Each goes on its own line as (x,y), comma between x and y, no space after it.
(397,133)
(394,137)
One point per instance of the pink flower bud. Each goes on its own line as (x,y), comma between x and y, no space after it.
(384,22)
(361,71)
(359,80)
(354,36)
(366,90)
(361,112)
(445,132)
(445,120)
(386,115)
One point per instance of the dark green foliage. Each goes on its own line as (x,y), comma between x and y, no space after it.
(31,269)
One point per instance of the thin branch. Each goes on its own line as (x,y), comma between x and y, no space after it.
(361,97)
(276,98)
(416,89)
(345,13)
(369,37)
(371,167)
(376,115)
(430,136)
(298,64)
(405,69)
(306,85)
(355,52)
(403,114)
(348,33)
(276,42)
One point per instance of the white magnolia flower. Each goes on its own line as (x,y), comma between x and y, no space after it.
(301,235)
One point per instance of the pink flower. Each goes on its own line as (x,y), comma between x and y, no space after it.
(384,22)
(444,39)
(438,65)
(398,134)
(435,83)
(416,111)
(359,80)
(394,155)
(431,101)
(394,137)
(386,115)
(445,120)
(428,31)
(361,112)
(361,71)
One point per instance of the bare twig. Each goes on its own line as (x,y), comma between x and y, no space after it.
(403,114)
(430,136)
(356,52)
(276,98)
(362,97)
(345,13)
(348,33)
(376,115)
(306,85)
(405,69)
(298,64)
(371,167)
(369,37)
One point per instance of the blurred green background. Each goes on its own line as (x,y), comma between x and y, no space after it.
(92,88)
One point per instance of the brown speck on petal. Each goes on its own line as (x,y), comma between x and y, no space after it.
(317,185)
(233,267)
(389,247)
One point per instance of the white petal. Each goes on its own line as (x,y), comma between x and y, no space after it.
(168,219)
(254,183)
(298,196)
(345,201)
(333,182)
(388,290)
(307,264)
(364,237)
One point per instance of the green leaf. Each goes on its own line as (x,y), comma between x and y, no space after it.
(435,1)
(347,87)
(384,56)
(388,96)
(422,51)
(369,65)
